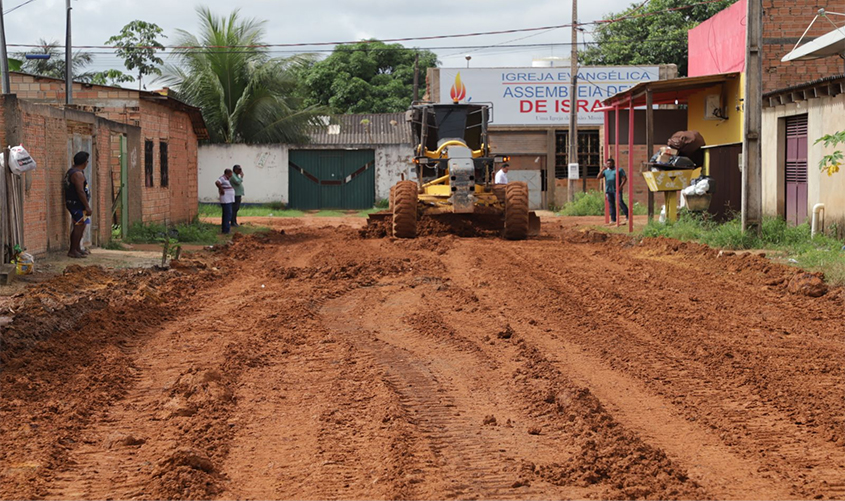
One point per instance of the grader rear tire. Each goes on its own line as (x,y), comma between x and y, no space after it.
(516,211)
(405,209)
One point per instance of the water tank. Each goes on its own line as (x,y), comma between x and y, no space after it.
(550,62)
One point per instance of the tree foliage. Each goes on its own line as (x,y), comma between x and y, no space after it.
(137,44)
(656,35)
(245,95)
(54,66)
(111,78)
(367,77)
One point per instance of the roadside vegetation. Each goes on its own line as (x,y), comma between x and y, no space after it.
(278,210)
(791,244)
(196,232)
(591,203)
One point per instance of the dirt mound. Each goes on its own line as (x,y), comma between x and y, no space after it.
(464,226)
(808,284)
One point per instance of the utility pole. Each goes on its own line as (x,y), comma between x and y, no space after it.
(573,104)
(68,61)
(752,182)
(4,64)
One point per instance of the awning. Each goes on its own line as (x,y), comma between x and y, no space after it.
(667,91)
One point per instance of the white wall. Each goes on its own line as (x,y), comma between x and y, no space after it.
(824,116)
(265,170)
(391,162)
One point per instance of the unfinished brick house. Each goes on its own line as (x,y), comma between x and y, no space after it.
(143,147)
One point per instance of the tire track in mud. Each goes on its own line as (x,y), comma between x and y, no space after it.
(454,379)
(459,460)
(700,392)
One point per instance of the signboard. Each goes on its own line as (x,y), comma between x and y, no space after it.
(574,171)
(540,96)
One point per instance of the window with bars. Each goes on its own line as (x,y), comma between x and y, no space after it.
(148,163)
(162,150)
(589,153)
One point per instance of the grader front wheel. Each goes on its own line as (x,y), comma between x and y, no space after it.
(516,211)
(405,209)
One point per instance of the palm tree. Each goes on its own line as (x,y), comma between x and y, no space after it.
(54,66)
(245,95)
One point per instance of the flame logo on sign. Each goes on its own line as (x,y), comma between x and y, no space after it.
(459,90)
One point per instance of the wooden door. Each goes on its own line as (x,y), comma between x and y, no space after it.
(796,170)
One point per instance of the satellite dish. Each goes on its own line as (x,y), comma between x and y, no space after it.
(829,44)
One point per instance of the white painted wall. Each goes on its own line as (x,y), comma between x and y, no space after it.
(535,185)
(391,162)
(824,116)
(265,170)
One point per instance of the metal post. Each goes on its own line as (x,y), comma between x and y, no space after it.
(4,64)
(616,111)
(649,142)
(606,156)
(630,165)
(68,60)
(573,100)
(752,193)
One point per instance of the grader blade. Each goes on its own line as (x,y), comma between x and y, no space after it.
(533,224)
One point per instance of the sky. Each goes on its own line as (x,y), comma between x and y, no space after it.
(306,21)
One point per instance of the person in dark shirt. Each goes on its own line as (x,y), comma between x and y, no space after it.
(77,201)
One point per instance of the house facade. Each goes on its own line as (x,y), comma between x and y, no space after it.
(793,119)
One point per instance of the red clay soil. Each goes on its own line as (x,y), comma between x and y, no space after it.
(318,364)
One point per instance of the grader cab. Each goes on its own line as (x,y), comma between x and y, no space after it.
(455,176)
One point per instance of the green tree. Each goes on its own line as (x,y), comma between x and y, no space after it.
(137,45)
(245,95)
(111,77)
(54,66)
(656,35)
(367,77)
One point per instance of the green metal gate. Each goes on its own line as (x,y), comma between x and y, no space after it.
(332,179)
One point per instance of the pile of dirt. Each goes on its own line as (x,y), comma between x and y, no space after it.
(465,226)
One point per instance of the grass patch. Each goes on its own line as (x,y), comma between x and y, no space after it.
(195,233)
(367,212)
(113,245)
(821,253)
(591,203)
(276,209)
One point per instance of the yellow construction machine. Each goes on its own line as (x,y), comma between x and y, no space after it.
(455,176)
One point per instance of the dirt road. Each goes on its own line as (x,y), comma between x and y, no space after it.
(318,364)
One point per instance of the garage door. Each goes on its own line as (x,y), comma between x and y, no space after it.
(332,179)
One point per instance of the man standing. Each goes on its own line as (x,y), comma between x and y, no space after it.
(227,199)
(609,174)
(77,201)
(502,175)
(237,181)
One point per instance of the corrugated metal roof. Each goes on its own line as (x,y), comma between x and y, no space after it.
(668,90)
(376,128)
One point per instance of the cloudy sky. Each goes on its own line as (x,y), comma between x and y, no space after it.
(305,21)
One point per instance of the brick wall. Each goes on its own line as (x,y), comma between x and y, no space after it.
(783,23)
(176,202)
(160,123)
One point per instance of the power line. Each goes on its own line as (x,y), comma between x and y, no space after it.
(16,7)
(393,40)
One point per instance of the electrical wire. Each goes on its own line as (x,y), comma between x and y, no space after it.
(16,7)
(395,40)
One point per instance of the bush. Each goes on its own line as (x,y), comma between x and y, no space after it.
(150,233)
(590,203)
(383,204)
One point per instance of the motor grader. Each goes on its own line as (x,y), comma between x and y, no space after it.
(454,176)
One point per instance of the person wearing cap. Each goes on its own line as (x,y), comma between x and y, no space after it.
(502,175)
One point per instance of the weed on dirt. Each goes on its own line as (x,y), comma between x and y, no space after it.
(591,203)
